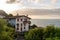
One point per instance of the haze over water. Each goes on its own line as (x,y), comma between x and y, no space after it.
(45,22)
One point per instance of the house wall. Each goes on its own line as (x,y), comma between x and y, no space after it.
(20,28)
(12,22)
(21,22)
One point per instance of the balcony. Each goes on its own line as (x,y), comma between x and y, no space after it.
(29,22)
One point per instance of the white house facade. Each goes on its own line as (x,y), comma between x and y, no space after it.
(21,23)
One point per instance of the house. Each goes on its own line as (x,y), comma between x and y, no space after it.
(21,23)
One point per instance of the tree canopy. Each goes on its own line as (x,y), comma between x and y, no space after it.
(6,33)
(47,33)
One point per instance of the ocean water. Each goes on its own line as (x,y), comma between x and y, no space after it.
(45,22)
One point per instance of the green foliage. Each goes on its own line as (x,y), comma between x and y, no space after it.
(57,32)
(47,33)
(33,26)
(2,25)
(6,33)
(35,34)
(10,15)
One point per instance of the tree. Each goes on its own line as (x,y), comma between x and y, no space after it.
(35,34)
(2,25)
(6,33)
(49,31)
(46,33)
(57,32)
(10,15)
(33,26)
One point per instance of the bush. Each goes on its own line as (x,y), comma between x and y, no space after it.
(35,34)
(6,33)
(47,33)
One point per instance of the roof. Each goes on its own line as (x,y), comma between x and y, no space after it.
(13,17)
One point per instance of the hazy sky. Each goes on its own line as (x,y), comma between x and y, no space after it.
(10,5)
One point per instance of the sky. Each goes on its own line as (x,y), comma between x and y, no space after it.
(10,5)
(19,4)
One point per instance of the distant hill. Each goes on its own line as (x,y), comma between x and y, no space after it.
(37,11)
(3,13)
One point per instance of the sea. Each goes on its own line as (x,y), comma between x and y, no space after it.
(45,22)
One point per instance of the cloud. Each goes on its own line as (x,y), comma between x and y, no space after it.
(10,1)
(36,3)
(53,1)
(38,11)
(39,3)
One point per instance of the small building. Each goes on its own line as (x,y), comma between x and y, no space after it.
(21,23)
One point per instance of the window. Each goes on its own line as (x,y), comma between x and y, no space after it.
(24,27)
(21,28)
(25,19)
(21,24)
(17,19)
(21,19)
(17,26)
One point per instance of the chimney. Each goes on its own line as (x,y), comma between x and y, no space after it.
(17,14)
